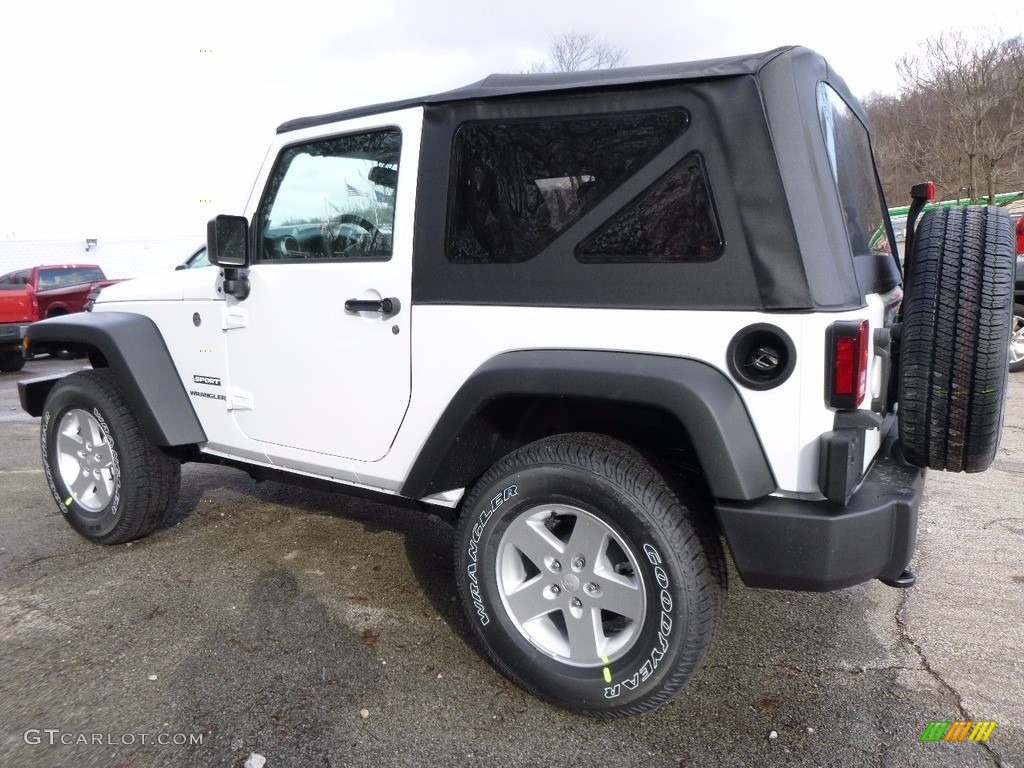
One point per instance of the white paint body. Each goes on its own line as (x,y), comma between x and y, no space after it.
(308,387)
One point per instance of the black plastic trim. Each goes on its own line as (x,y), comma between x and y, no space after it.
(33,393)
(262,473)
(760,334)
(784,543)
(135,352)
(702,398)
(857,418)
(840,462)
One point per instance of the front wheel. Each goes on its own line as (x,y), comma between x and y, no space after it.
(109,480)
(588,580)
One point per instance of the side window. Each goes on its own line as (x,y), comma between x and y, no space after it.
(517,184)
(849,154)
(673,220)
(332,199)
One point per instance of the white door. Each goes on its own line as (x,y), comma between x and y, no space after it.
(304,371)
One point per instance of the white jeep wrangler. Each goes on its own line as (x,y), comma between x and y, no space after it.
(601,320)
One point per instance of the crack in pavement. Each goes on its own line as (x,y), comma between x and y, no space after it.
(998,520)
(15,568)
(908,641)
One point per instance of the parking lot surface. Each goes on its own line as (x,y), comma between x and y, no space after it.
(318,630)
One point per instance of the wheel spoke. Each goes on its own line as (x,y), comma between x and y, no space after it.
(586,638)
(104,454)
(534,540)
(95,436)
(104,487)
(70,439)
(623,598)
(82,484)
(589,539)
(528,602)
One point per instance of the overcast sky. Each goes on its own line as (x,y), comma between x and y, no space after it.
(146,119)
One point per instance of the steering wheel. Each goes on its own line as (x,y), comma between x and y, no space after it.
(373,235)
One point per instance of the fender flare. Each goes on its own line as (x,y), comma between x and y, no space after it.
(135,352)
(701,397)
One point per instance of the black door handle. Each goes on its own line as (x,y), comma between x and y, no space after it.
(387,307)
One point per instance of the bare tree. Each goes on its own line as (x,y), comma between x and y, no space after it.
(577,51)
(964,107)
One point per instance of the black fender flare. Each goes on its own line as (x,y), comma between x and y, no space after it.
(135,352)
(701,397)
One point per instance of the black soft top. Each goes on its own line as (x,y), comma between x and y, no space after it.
(754,119)
(508,85)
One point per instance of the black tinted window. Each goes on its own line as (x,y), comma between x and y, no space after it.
(517,184)
(849,153)
(673,220)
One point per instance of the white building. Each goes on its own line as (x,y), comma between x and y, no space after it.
(119,258)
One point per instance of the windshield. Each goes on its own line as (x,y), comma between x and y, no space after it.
(849,153)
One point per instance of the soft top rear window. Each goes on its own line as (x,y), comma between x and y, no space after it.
(849,153)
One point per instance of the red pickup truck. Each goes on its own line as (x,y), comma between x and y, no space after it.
(36,293)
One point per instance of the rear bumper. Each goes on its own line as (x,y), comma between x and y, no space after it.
(821,545)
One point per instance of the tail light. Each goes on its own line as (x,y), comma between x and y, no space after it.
(1020,236)
(33,305)
(847,356)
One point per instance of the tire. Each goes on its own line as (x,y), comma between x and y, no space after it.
(956,331)
(579,528)
(10,362)
(109,480)
(1017,339)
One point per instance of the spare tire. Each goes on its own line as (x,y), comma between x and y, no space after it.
(955,342)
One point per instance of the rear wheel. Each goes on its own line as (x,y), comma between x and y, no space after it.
(588,580)
(956,337)
(109,480)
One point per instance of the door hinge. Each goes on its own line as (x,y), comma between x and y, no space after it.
(239,400)
(234,317)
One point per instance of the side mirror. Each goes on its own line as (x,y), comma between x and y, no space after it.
(227,241)
(227,246)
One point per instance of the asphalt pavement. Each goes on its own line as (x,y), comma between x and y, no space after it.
(317,630)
